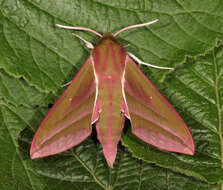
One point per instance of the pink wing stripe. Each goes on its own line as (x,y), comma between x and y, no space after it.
(161,141)
(62,144)
(67,124)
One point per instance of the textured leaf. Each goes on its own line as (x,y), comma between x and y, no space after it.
(36,58)
(17,92)
(13,167)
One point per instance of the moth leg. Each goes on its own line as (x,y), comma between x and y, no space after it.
(140,62)
(87,43)
(127,45)
(66,84)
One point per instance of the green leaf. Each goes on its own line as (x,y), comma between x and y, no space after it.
(36,58)
(15,172)
(17,92)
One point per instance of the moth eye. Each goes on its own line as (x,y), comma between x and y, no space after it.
(150,97)
(70,99)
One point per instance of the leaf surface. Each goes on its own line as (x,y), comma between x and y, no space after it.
(36,58)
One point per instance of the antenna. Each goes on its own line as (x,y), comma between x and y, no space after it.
(135,26)
(79,28)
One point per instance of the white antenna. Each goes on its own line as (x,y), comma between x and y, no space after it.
(79,28)
(140,62)
(134,26)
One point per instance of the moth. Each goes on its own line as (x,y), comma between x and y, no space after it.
(109,88)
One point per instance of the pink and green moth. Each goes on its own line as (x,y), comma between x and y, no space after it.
(109,88)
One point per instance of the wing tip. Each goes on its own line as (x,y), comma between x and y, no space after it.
(34,155)
(188,151)
(32,152)
(62,144)
(189,145)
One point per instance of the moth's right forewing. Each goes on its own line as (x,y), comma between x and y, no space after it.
(152,117)
(69,121)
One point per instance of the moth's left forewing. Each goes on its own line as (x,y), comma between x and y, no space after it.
(152,118)
(69,121)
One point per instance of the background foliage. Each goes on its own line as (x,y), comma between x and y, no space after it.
(36,58)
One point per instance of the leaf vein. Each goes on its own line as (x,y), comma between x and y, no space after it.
(42,71)
(202,78)
(118,169)
(215,132)
(17,152)
(140,175)
(89,170)
(218,106)
(165,41)
(57,53)
(188,87)
(201,24)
